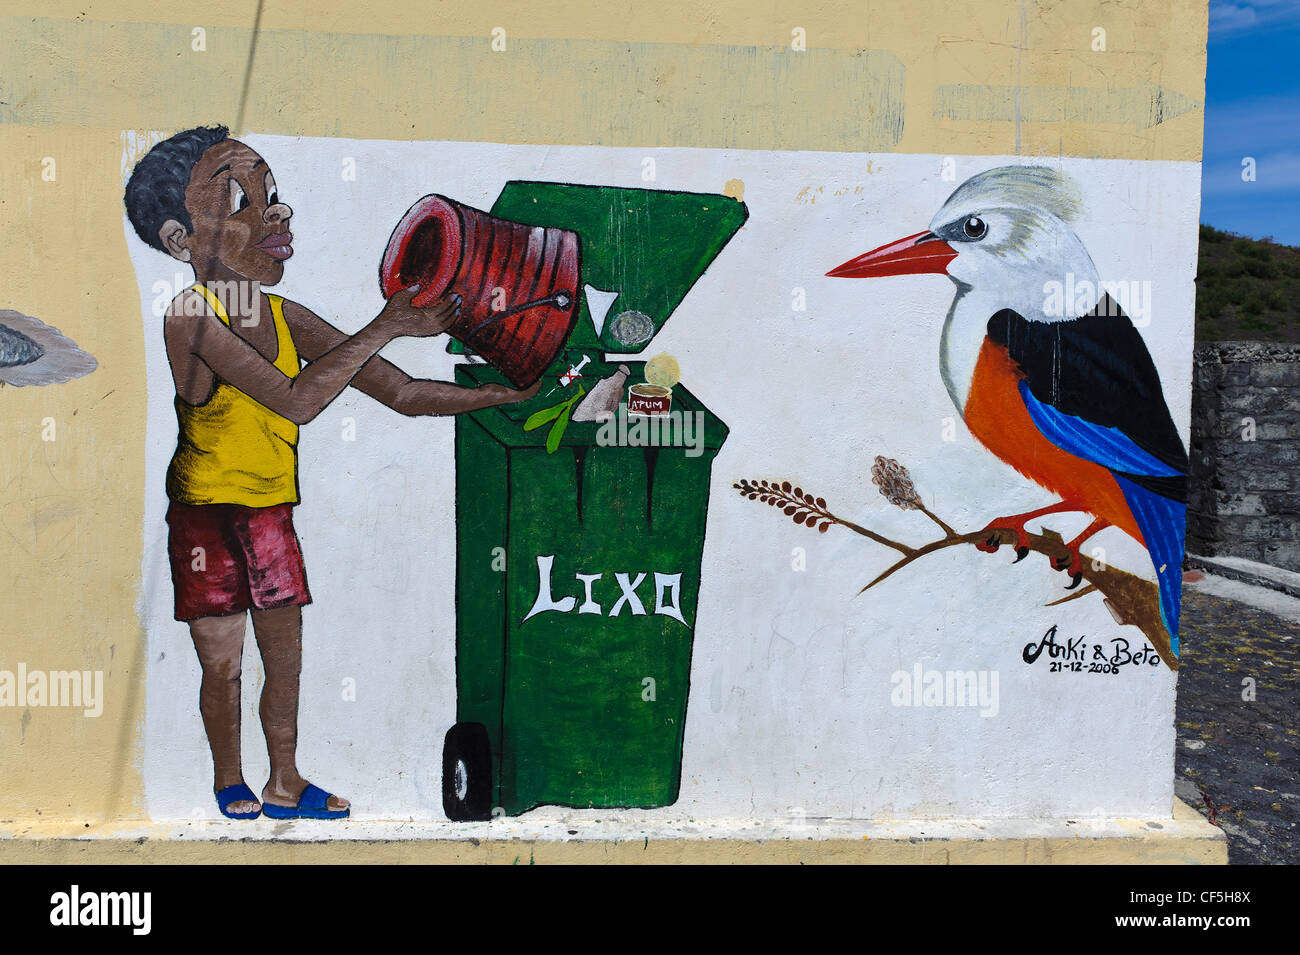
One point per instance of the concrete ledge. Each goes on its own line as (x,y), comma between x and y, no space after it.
(1249,572)
(1186,838)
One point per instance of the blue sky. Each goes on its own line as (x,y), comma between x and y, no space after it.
(1252,108)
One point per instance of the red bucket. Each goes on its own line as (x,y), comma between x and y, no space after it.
(518,283)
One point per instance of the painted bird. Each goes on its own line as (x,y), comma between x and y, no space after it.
(1067,396)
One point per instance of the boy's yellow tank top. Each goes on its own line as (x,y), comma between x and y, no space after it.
(231,449)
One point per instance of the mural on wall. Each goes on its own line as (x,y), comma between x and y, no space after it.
(534,292)
(555,599)
(33,353)
(1053,378)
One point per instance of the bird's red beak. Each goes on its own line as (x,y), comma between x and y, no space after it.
(918,254)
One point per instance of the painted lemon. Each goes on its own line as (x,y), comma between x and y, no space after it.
(663,370)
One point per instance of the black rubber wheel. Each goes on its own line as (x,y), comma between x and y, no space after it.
(467,773)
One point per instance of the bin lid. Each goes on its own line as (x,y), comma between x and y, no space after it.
(642,250)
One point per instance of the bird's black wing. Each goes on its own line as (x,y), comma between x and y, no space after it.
(1097,368)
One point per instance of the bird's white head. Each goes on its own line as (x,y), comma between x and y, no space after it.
(1003,234)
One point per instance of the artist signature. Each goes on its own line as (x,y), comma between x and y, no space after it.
(1071,654)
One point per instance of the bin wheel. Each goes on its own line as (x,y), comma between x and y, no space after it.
(467,773)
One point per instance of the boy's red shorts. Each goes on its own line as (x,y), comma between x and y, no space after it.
(227,558)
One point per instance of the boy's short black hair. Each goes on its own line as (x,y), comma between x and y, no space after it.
(156,189)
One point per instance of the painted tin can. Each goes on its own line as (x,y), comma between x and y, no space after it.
(649,400)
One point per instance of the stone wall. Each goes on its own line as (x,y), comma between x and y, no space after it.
(1244,497)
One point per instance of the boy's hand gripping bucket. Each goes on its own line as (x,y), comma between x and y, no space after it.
(519,284)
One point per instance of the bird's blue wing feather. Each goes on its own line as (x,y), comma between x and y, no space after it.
(1109,447)
(1163,523)
(1162,520)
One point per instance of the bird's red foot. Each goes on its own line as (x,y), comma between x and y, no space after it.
(989,541)
(1071,563)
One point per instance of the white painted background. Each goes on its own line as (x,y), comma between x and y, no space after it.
(790,702)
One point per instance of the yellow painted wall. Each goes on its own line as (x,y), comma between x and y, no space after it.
(972,78)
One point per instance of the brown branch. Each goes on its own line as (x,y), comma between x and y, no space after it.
(948,531)
(1090,589)
(1131,600)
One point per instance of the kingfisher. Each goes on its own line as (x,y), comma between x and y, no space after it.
(1065,392)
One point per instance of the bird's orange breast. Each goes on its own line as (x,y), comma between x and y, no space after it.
(996,415)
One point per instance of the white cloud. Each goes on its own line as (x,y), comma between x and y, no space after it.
(1230,18)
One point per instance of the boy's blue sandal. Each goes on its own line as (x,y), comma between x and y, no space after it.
(237,793)
(311,805)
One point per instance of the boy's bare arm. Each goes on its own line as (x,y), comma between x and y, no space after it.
(299,399)
(388,384)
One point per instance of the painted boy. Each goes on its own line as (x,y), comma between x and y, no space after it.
(249,368)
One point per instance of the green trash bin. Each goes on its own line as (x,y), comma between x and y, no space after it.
(578,570)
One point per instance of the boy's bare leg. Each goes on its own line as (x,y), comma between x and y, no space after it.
(279,637)
(219,642)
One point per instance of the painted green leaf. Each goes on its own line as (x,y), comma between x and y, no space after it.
(539,418)
(557,430)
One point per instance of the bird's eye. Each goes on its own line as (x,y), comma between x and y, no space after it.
(974,228)
(238,200)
